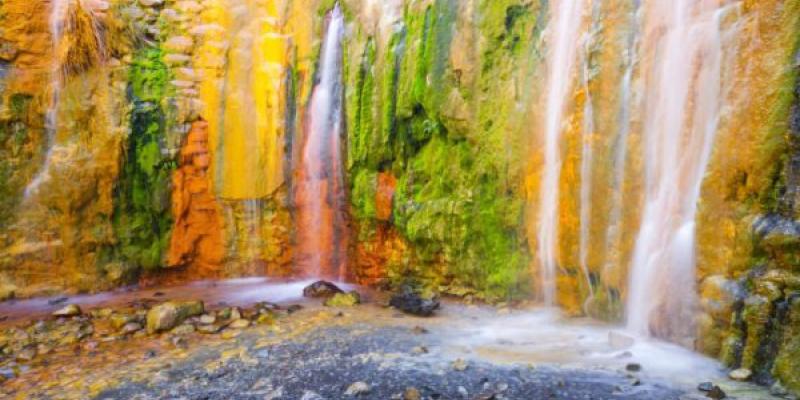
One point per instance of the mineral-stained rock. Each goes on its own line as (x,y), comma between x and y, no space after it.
(741,374)
(7,292)
(68,311)
(209,329)
(460,365)
(183,329)
(787,362)
(344,300)
(321,289)
(411,302)
(196,240)
(131,327)
(166,316)
(239,324)
(411,393)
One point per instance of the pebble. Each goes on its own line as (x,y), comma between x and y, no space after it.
(716,393)
(293,308)
(26,354)
(419,350)
(741,374)
(633,367)
(411,393)
(418,330)
(131,327)
(207,319)
(239,324)
(71,310)
(209,329)
(460,365)
(229,334)
(309,395)
(184,329)
(705,387)
(357,389)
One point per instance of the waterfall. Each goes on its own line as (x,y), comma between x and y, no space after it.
(683,89)
(61,25)
(620,149)
(587,158)
(563,30)
(56,22)
(320,192)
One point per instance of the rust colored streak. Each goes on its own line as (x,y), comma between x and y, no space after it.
(197,243)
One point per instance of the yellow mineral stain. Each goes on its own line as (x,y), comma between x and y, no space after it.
(246,57)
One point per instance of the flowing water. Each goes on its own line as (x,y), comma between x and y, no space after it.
(57,20)
(587,159)
(620,150)
(683,69)
(320,192)
(563,34)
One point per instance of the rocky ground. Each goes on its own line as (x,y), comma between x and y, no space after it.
(311,351)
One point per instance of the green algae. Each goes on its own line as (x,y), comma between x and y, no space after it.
(409,113)
(142,216)
(14,134)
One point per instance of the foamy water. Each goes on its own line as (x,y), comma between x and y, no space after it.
(544,338)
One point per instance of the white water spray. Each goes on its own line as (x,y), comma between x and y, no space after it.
(323,181)
(684,92)
(615,221)
(58,16)
(563,28)
(587,159)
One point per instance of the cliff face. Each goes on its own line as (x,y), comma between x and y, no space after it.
(103,181)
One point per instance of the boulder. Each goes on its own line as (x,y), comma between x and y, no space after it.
(166,316)
(321,289)
(411,302)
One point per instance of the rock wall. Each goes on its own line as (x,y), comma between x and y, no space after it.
(443,107)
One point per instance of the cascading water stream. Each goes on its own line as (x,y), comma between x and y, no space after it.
(60,25)
(683,102)
(614,229)
(58,16)
(320,193)
(587,158)
(563,30)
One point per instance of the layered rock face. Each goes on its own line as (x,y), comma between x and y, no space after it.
(107,177)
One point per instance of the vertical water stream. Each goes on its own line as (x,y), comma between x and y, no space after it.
(563,31)
(320,191)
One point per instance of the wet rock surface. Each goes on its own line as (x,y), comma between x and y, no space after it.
(321,290)
(411,302)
